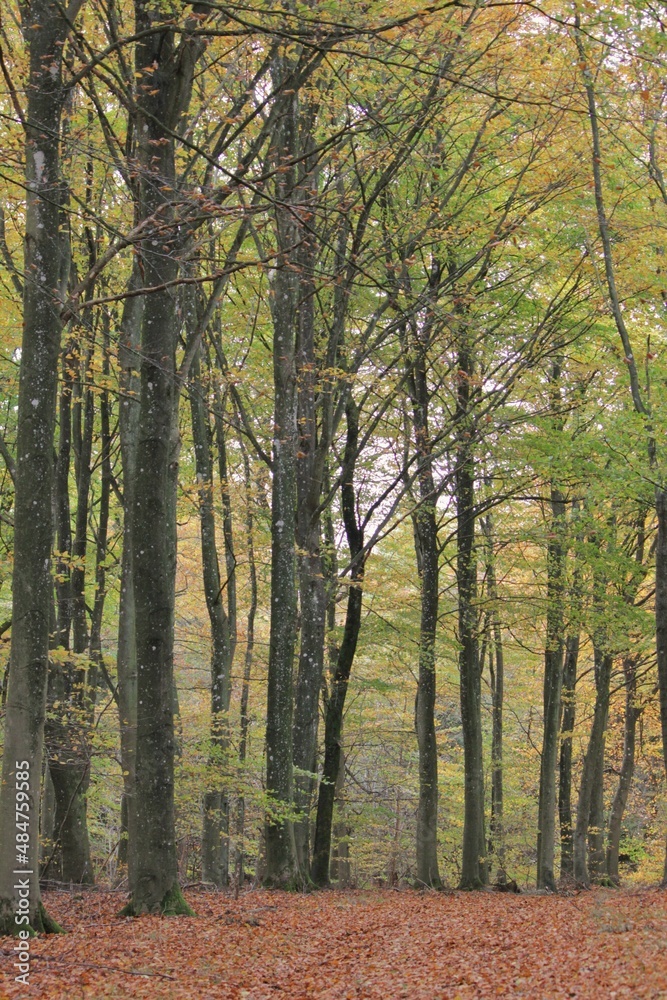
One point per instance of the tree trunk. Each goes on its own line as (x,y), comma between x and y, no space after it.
(592,771)
(428,561)
(215,835)
(312,597)
(474,869)
(553,679)
(632,713)
(126,660)
(46,819)
(497,672)
(281,862)
(247,665)
(568,702)
(45,28)
(166,73)
(71,697)
(596,823)
(340,858)
(333,725)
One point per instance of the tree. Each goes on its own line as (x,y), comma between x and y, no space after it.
(46,29)
(166,73)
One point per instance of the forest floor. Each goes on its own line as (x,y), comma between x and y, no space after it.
(361,945)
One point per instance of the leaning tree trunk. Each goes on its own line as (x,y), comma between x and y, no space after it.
(553,679)
(333,725)
(45,28)
(166,73)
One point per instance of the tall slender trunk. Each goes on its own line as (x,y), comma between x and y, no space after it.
(340,856)
(553,679)
(309,474)
(70,694)
(632,714)
(247,663)
(497,673)
(166,73)
(97,665)
(428,561)
(474,869)
(281,862)
(45,29)
(596,822)
(126,658)
(215,836)
(569,705)
(333,725)
(592,771)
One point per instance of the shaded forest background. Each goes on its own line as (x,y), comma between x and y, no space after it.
(333,387)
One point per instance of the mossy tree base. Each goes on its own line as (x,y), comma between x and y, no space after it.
(42,923)
(172,904)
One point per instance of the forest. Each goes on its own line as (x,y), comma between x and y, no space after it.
(333,462)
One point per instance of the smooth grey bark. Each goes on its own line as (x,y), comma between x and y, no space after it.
(341,869)
(427,810)
(309,478)
(333,725)
(71,691)
(281,861)
(497,677)
(247,663)
(428,560)
(97,664)
(632,713)
(592,771)
(553,679)
(166,71)
(596,823)
(474,868)
(215,834)
(45,30)
(126,657)
(569,706)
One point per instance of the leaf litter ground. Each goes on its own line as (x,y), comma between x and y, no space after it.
(356,945)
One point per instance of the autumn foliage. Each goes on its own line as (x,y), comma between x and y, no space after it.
(371,945)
